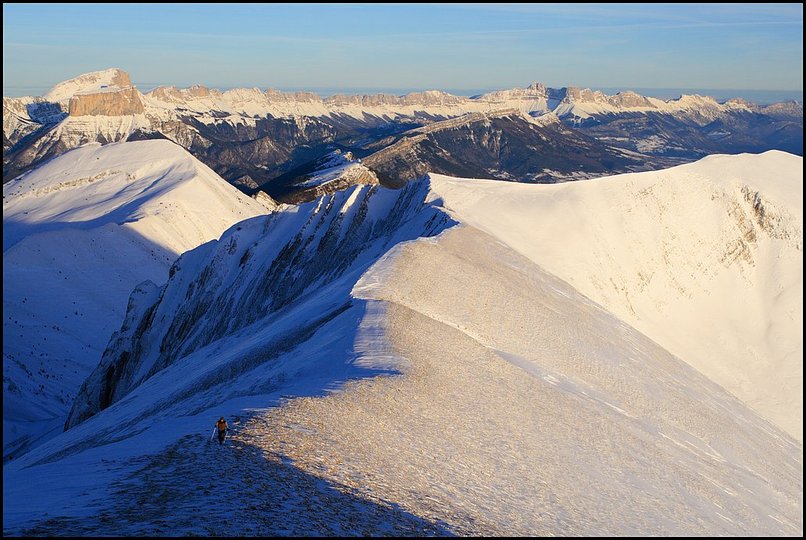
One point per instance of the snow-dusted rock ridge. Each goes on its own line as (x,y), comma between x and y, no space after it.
(257,269)
(706,259)
(111,79)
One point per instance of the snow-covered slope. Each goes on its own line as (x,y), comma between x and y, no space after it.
(107,80)
(520,407)
(706,259)
(527,410)
(78,234)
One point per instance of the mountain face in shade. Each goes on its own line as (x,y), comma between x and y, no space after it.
(79,233)
(507,145)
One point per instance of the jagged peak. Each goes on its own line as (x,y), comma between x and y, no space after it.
(628,98)
(198,90)
(164,93)
(537,87)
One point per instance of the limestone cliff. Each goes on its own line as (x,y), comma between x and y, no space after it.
(107,102)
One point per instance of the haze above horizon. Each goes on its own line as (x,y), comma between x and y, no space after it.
(464,49)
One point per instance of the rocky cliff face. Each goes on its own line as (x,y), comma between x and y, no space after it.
(629,99)
(429,98)
(115,102)
(572,94)
(250,276)
(99,107)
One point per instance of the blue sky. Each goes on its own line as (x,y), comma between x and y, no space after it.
(474,46)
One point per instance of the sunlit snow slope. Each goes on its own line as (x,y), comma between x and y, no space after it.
(78,234)
(705,258)
(517,406)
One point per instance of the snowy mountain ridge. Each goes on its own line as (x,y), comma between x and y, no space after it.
(245,103)
(516,404)
(79,233)
(692,256)
(716,234)
(536,99)
(247,281)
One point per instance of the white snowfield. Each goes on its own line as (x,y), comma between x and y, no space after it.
(705,258)
(519,402)
(79,233)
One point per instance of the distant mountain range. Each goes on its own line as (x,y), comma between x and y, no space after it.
(257,140)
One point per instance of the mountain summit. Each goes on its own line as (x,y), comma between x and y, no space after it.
(89,83)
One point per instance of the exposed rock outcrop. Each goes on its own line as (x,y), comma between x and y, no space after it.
(263,198)
(114,102)
(248,276)
(629,99)
(245,183)
(572,94)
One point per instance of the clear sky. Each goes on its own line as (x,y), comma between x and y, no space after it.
(472,46)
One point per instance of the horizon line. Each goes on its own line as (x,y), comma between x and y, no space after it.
(149,86)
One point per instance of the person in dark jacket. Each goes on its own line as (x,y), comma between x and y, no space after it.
(222,429)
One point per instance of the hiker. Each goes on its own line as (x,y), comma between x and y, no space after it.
(222,429)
